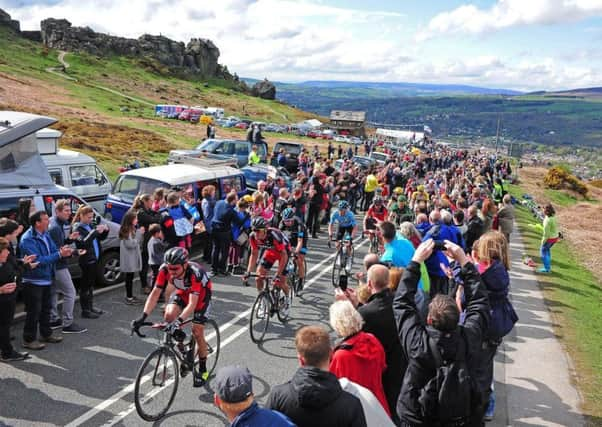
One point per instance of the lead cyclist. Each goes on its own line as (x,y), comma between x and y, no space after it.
(347,225)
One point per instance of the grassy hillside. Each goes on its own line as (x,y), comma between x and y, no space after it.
(105,105)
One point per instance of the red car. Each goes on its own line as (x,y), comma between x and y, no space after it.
(241,125)
(313,134)
(327,136)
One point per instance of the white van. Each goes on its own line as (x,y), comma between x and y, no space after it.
(74,170)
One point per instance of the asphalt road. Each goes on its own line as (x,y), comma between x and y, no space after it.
(88,379)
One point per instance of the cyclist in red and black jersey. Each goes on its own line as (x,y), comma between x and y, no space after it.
(297,235)
(376,214)
(189,291)
(276,248)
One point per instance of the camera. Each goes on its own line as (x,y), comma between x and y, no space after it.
(439,246)
(343,282)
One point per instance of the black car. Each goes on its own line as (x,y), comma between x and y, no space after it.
(292,150)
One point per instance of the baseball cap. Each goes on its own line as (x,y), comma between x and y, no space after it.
(233,384)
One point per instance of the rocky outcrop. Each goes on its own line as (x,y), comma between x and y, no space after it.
(7,21)
(199,56)
(264,89)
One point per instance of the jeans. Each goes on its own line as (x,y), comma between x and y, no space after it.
(37,305)
(368,196)
(7,312)
(63,285)
(546,255)
(221,245)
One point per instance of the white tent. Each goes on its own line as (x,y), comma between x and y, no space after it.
(20,160)
(314,123)
(400,136)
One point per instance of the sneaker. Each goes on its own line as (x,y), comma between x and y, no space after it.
(200,380)
(53,339)
(132,301)
(15,356)
(239,270)
(74,329)
(34,345)
(97,310)
(542,270)
(89,315)
(56,324)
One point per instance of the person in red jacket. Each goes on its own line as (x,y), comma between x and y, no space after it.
(360,356)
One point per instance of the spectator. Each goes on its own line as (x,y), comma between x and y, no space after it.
(10,272)
(146,216)
(549,238)
(506,217)
(37,282)
(369,189)
(240,236)
(487,212)
(207,207)
(316,193)
(233,387)
(359,356)
(409,231)
(281,160)
(60,232)
(24,210)
(254,158)
(89,240)
(158,200)
(454,344)
(314,396)
(156,250)
(130,258)
(474,228)
(221,225)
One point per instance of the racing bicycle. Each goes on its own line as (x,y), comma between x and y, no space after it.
(158,377)
(269,301)
(292,277)
(343,260)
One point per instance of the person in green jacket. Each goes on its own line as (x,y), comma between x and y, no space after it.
(549,238)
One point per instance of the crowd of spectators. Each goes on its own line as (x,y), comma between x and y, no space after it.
(431,309)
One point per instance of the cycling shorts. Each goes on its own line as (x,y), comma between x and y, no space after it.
(370,224)
(199,317)
(270,256)
(342,231)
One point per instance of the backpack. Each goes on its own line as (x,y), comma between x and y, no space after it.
(452,395)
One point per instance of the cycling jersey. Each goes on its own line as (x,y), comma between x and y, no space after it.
(297,230)
(275,243)
(380,215)
(194,282)
(347,220)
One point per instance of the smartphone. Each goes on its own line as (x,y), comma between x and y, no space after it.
(343,282)
(439,245)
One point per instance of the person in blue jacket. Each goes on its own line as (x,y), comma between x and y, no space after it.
(233,387)
(36,282)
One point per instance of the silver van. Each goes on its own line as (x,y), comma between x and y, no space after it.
(74,170)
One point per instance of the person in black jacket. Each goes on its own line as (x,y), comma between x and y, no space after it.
(314,396)
(442,328)
(89,239)
(146,217)
(474,228)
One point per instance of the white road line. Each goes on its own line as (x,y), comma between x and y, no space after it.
(113,352)
(130,388)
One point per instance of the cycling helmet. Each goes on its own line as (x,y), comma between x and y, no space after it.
(258,223)
(398,190)
(288,213)
(176,256)
(378,200)
(343,204)
(402,198)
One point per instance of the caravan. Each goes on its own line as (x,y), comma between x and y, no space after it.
(73,169)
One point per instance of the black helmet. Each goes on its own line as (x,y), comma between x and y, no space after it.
(288,213)
(176,256)
(258,223)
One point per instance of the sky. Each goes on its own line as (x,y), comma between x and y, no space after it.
(512,44)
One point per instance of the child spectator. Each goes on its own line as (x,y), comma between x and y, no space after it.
(130,257)
(156,250)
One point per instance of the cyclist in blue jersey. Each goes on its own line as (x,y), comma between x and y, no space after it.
(346,220)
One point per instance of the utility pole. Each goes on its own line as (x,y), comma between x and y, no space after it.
(497,134)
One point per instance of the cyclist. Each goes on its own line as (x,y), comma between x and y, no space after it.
(189,288)
(347,225)
(276,248)
(297,235)
(377,213)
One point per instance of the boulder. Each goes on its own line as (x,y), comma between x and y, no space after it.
(7,21)
(264,89)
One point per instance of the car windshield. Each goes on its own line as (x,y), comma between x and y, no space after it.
(289,148)
(209,144)
(362,161)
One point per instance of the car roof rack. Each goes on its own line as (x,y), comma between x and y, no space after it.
(206,160)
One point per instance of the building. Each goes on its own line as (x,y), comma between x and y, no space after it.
(348,122)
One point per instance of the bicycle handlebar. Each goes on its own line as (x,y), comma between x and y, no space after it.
(160,325)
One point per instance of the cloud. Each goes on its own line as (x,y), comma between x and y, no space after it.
(469,19)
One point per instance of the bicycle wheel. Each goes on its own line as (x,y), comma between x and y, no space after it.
(260,317)
(156,384)
(373,245)
(282,312)
(213,339)
(337,268)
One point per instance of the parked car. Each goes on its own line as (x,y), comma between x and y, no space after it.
(224,148)
(241,125)
(362,161)
(314,134)
(191,177)
(379,157)
(254,174)
(292,149)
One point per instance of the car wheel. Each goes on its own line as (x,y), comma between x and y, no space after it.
(109,269)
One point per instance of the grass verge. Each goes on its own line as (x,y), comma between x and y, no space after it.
(574,297)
